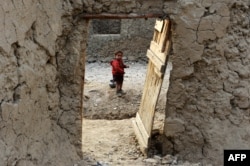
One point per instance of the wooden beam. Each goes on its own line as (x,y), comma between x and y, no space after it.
(120,16)
(159,65)
(141,134)
(156,49)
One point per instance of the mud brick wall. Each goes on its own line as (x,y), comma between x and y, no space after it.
(208,100)
(42,57)
(133,39)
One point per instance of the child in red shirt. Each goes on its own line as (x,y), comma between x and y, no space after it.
(118,71)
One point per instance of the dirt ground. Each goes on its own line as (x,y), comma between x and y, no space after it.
(108,136)
(101,101)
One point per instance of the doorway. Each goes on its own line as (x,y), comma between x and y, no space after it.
(117,125)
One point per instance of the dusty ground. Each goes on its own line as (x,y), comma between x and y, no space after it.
(101,101)
(108,135)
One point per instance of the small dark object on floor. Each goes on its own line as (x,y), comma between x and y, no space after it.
(112,84)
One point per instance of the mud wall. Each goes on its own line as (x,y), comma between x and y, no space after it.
(134,39)
(40,73)
(208,100)
(42,50)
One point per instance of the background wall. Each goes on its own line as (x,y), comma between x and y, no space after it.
(133,39)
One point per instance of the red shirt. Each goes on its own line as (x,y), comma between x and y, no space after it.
(117,67)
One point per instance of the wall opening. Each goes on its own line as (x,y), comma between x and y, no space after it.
(133,41)
(104,113)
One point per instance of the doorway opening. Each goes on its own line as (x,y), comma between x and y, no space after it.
(126,35)
(108,135)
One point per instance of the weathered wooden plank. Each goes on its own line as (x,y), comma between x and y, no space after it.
(143,146)
(167,42)
(158,36)
(157,55)
(155,36)
(145,135)
(141,133)
(155,48)
(159,25)
(164,34)
(158,73)
(156,61)
(150,96)
(168,46)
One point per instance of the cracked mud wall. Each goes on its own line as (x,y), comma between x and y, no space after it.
(36,127)
(41,74)
(208,99)
(133,39)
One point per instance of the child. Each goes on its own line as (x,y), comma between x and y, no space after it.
(118,72)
